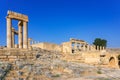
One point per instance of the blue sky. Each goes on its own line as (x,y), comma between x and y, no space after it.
(58,20)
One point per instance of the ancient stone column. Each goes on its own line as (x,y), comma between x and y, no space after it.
(84,48)
(97,47)
(91,48)
(25,35)
(100,48)
(88,47)
(94,48)
(103,48)
(80,46)
(13,38)
(20,36)
(29,42)
(75,46)
(9,33)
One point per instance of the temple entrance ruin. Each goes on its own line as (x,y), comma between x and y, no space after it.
(112,62)
(78,45)
(22,30)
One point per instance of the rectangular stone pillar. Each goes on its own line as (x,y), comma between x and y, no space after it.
(25,35)
(20,36)
(9,33)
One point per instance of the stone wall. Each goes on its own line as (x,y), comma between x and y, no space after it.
(92,57)
(14,54)
(48,46)
(66,47)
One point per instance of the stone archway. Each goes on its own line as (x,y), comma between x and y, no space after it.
(119,61)
(112,62)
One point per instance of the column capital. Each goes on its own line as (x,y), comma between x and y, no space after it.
(20,23)
(13,30)
(7,17)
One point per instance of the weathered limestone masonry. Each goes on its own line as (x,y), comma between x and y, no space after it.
(22,30)
(76,45)
(13,37)
(73,46)
(73,50)
(48,46)
(13,55)
(81,51)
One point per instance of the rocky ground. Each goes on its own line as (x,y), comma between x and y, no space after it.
(48,65)
(4,69)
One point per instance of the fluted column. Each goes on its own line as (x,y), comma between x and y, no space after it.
(20,36)
(9,33)
(25,35)
(13,38)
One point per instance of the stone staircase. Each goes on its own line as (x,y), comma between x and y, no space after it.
(23,64)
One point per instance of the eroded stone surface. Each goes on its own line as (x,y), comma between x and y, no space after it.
(50,65)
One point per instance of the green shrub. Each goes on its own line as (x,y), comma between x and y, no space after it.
(57,75)
(99,72)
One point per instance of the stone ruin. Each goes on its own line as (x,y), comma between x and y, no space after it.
(22,30)
(76,45)
(80,49)
(73,46)
(74,50)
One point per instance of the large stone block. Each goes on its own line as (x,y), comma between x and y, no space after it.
(22,57)
(30,57)
(6,59)
(12,60)
(12,57)
(3,57)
